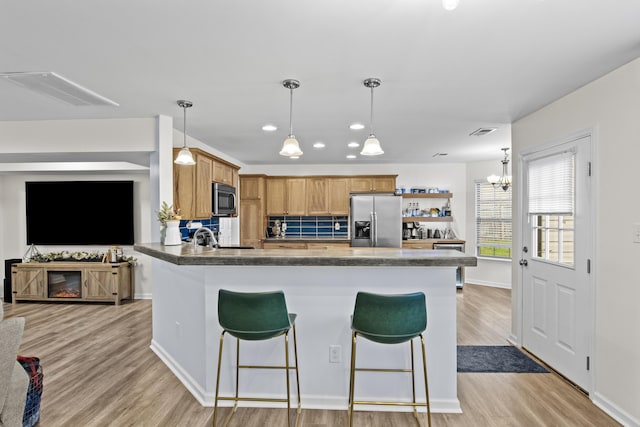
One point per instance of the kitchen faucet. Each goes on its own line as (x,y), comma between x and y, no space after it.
(213,242)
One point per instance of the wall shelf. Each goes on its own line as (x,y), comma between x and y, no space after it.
(427,219)
(427,195)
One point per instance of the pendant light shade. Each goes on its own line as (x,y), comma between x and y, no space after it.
(185,157)
(290,147)
(371,146)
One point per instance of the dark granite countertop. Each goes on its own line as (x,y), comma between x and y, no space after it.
(187,254)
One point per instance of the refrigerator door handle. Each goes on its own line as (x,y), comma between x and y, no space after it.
(375,228)
(372,238)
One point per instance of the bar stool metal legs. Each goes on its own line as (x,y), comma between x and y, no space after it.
(390,319)
(256,317)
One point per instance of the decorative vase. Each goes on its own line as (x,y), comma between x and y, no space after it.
(172,234)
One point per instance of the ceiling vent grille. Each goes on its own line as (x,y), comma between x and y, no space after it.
(55,86)
(482,131)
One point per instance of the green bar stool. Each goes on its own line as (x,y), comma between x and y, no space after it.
(389,319)
(256,316)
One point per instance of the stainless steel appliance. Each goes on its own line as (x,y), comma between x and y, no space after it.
(455,247)
(223,200)
(376,220)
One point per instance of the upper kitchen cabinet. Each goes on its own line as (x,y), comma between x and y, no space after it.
(286,195)
(327,196)
(225,173)
(252,210)
(192,184)
(373,184)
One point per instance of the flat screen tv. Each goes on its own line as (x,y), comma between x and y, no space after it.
(79,212)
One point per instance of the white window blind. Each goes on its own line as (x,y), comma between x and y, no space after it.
(551,185)
(493,221)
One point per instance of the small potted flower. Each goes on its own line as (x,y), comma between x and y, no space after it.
(170,220)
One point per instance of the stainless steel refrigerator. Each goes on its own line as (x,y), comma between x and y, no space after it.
(376,220)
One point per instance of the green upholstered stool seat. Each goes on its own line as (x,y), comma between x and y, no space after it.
(389,319)
(256,316)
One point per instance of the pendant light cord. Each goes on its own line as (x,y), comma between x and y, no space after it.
(290,111)
(371,125)
(184,126)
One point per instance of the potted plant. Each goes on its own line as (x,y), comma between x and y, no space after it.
(170,220)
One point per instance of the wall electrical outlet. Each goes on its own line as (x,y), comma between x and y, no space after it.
(335,354)
(636,233)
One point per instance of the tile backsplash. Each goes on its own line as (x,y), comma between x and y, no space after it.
(211,223)
(314,226)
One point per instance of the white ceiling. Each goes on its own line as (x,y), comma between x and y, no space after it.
(444,74)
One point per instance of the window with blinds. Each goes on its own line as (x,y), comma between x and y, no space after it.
(493,221)
(551,205)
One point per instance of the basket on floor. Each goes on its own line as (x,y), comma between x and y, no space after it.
(34,393)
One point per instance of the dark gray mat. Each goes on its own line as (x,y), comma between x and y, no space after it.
(496,358)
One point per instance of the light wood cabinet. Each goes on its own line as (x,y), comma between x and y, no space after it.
(328,245)
(72,281)
(284,245)
(305,245)
(192,184)
(286,196)
(28,282)
(338,196)
(203,178)
(327,196)
(223,173)
(252,210)
(373,184)
(317,196)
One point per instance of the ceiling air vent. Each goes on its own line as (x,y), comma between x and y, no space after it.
(54,85)
(482,131)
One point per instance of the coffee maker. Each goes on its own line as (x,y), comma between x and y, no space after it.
(411,230)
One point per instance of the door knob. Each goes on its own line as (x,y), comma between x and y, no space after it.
(524,262)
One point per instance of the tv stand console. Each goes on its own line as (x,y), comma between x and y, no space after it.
(72,281)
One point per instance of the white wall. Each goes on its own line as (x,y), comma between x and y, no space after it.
(62,138)
(610,106)
(490,272)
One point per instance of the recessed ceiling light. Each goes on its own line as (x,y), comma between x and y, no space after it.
(269,128)
(294,157)
(351,156)
(353,144)
(356,126)
(318,145)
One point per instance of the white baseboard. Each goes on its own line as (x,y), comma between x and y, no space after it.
(614,411)
(143,296)
(487,283)
(308,402)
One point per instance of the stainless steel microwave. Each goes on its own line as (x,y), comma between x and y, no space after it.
(223,200)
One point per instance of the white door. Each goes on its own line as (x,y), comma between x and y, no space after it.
(556,258)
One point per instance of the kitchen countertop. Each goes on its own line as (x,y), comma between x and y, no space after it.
(307,239)
(187,254)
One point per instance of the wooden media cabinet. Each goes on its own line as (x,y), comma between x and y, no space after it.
(72,281)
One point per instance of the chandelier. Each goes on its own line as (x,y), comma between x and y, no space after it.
(503,181)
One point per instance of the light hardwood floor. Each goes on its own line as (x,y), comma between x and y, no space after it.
(99,371)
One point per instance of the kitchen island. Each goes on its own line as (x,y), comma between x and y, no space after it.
(320,286)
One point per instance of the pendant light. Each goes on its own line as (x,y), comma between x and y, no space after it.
(371,146)
(185,157)
(450,4)
(290,147)
(503,181)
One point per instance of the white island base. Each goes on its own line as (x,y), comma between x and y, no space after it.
(186,333)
